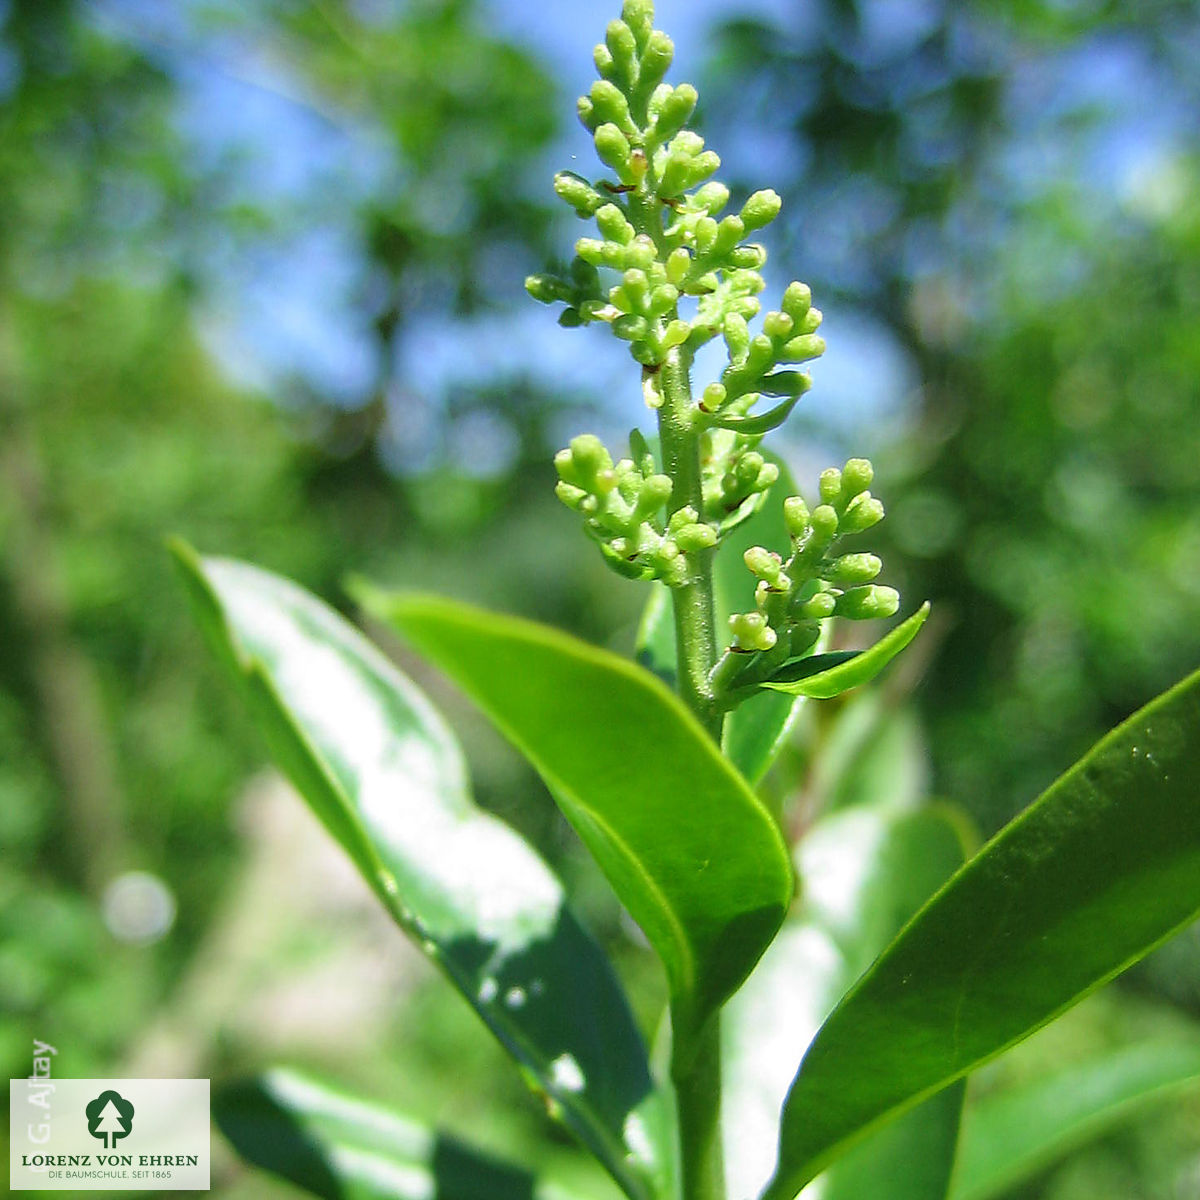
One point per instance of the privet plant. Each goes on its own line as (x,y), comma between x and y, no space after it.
(826,1000)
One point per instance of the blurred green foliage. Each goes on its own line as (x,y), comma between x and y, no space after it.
(951,180)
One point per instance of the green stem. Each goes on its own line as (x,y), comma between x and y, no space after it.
(698,1100)
(696,1061)
(695,619)
(696,1069)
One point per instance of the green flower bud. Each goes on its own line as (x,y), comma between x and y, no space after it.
(796,516)
(761,209)
(691,538)
(637,287)
(729,233)
(570,495)
(797,300)
(639,16)
(570,318)
(663,299)
(868,603)
(766,565)
(816,608)
(586,112)
(622,45)
(856,476)
(681,517)
(861,513)
(630,327)
(641,253)
(768,474)
(706,234)
(679,263)
(830,485)
(603,59)
(589,455)
(655,492)
(810,322)
(712,397)
(591,250)
(612,146)
(712,197)
(804,347)
(577,192)
(656,61)
(546,288)
(777,325)
(749,257)
(609,104)
(612,223)
(737,336)
(751,631)
(676,334)
(824,522)
(672,111)
(854,568)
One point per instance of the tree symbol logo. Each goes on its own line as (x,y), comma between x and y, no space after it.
(109,1117)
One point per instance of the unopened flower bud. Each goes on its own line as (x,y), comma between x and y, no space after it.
(656,61)
(546,288)
(855,568)
(766,565)
(824,522)
(796,516)
(613,148)
(868,603)
(777,324)
(695,537)
(677,332)
(797,300)
(577,192)
(861,513)
(712,197)
(713,397)
(816,608)
(671,109)
(761,209)
(639,16)
(751,631)
(830,485)
(804,347)
(856,476)
(612,223)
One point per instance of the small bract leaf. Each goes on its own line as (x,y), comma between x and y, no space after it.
(1090,878)
(385,776)
(826,675)
(688,847)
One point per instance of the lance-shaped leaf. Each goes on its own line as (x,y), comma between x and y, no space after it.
(823,676)
(866,871)
(1017,1132)
(1094,875)
(344,1149)
(689,849)
(381,770)
(755,730)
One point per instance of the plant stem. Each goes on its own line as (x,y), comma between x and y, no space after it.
(696,1068)
(698,1100)
(695,622)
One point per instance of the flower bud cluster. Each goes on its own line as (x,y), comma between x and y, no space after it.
(623,506)
(817,580)
(734,477)
(664,232)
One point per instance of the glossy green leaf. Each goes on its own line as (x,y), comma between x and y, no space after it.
(1015,1133)
(384,774)
(688,847)
(866,871)
(1095,874)
(344,1149)
(755,731)
(823,676)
